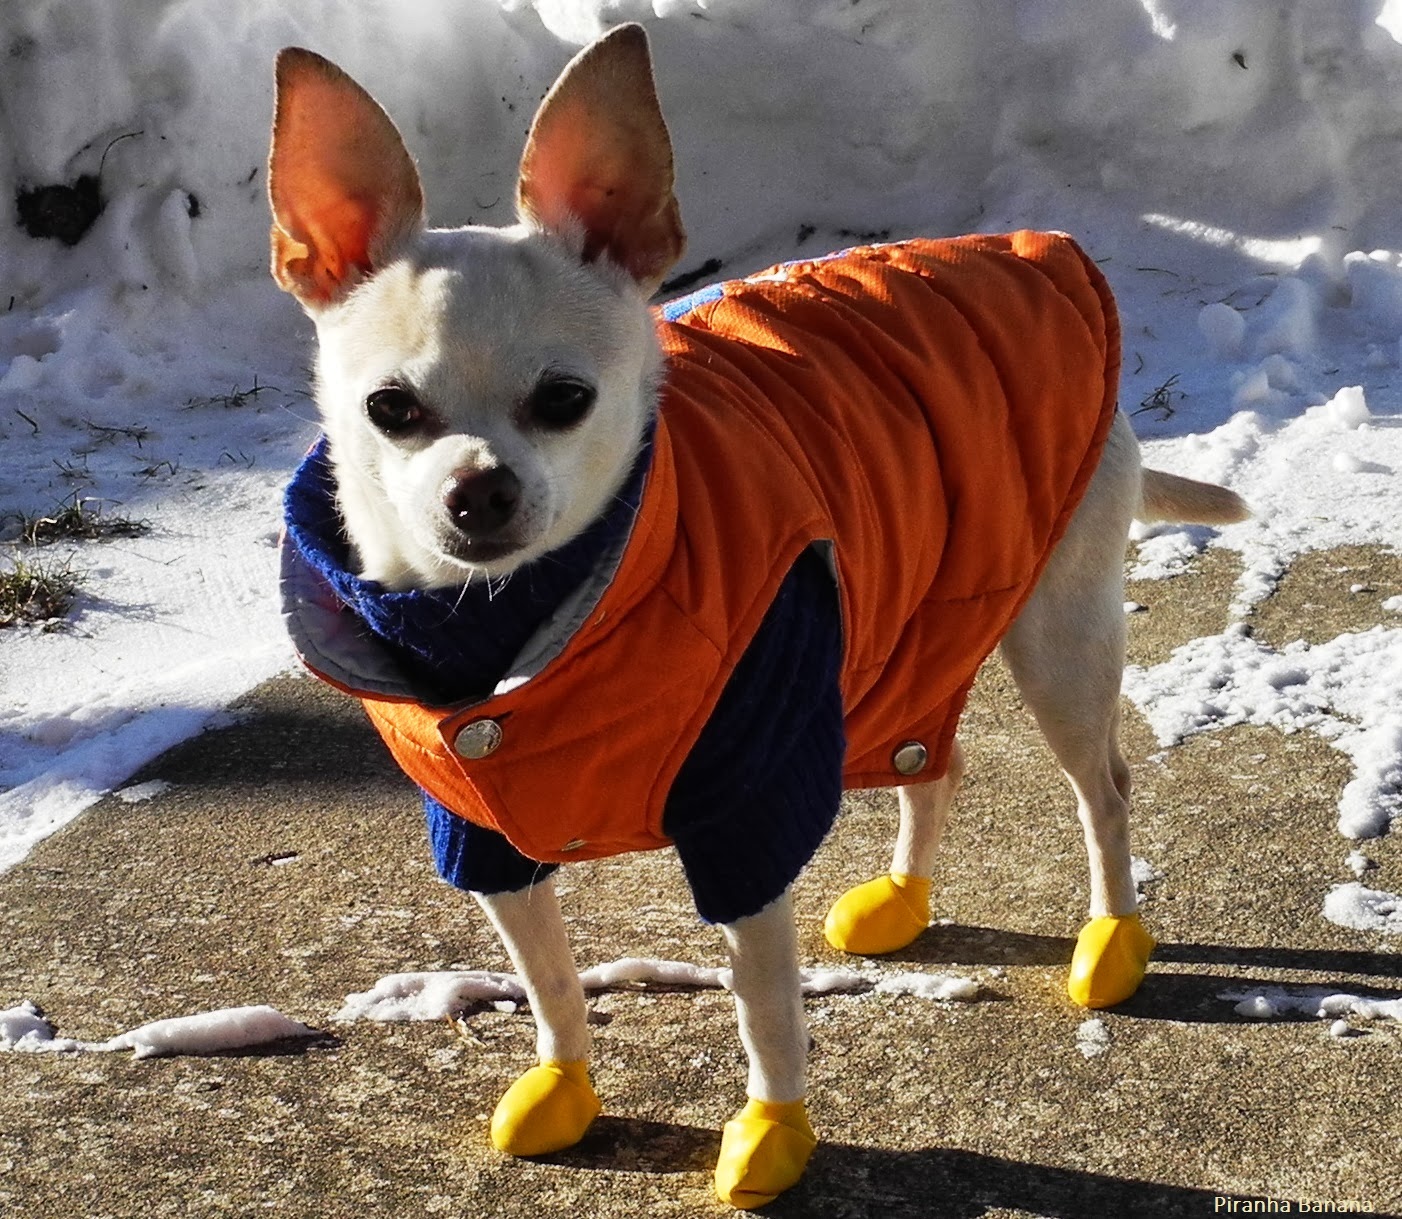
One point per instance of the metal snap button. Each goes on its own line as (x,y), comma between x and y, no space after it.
(478,739)
(910,758)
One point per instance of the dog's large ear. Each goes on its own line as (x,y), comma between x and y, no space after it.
(343,188)
(599,156)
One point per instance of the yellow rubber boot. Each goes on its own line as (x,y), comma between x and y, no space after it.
(880,916)
(763,1151)
(548,1109)
(1108,964)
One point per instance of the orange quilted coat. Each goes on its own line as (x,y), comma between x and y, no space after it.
(934,409)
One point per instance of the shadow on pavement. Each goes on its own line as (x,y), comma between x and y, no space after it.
(958,945)
(849,1182)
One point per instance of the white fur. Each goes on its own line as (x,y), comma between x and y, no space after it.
(472,317)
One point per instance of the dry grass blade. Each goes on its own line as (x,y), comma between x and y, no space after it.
(35,592)
(79,518)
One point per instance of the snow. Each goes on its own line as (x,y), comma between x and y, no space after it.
(1273,1002)
(1354,905)
(23,1029)
(234,1028)
(1092,1037)
(1231,167)
(443,993)
(1358,863)
(943,987)
(1342,690)
(139,793)
(1144,873)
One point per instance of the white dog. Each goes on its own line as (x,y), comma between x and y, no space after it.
(608,579)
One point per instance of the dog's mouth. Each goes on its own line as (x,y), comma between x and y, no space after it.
(495,556)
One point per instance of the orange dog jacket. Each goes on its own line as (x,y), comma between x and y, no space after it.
(929,412)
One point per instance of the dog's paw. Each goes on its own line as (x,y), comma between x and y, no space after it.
(1108,964)
(548,1109)
(763,1151)
(880,916)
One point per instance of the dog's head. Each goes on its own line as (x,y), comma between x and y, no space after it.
(484,390)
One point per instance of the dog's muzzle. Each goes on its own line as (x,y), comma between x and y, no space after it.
(481,504)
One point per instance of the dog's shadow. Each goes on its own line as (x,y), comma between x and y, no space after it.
(845,1181)
(1167,994)
(849,1182)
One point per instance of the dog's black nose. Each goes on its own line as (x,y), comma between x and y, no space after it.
(482,501)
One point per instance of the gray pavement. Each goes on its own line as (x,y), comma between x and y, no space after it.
(287,866)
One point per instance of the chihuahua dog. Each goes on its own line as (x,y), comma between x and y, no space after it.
(608,578)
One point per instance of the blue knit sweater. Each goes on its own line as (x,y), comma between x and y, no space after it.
(760,788)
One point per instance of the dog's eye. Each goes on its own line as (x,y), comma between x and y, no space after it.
(394,410)
(559,402)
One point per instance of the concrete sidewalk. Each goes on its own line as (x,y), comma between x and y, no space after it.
(286,866)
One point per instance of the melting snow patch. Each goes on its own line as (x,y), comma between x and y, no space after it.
(1270,1002)
(946,987)
(1358,863)
(1092,1037)
(433,996)
(22,1028)
(233,1028)
(1363,909)
(138,792)
(1343,690)
(429,996)
(1143,872)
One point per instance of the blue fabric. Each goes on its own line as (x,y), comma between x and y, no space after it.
(760,789)
(453,643)
(761,786)
(675,310)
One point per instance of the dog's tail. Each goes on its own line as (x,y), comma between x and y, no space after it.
(1167,497)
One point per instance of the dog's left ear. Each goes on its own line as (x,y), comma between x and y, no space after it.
(599,156)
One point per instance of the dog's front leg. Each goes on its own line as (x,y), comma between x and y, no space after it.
(765,1146)
(551,1105)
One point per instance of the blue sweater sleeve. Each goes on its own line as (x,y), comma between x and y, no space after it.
(762,785)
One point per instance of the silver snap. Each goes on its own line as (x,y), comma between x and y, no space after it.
(574,844)
(478,739)
(910,758)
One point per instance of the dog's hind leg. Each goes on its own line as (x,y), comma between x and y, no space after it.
(1066,653)
(551,1106)
(888,913)
(765,1146)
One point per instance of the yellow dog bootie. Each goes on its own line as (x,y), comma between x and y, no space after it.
(548,1109)
(1108,964)
(880,916)
(763,1151)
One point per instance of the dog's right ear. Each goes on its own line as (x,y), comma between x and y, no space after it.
(343,188)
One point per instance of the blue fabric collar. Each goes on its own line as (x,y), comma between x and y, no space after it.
(454,643)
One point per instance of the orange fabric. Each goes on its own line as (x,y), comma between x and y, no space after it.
(934,408)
